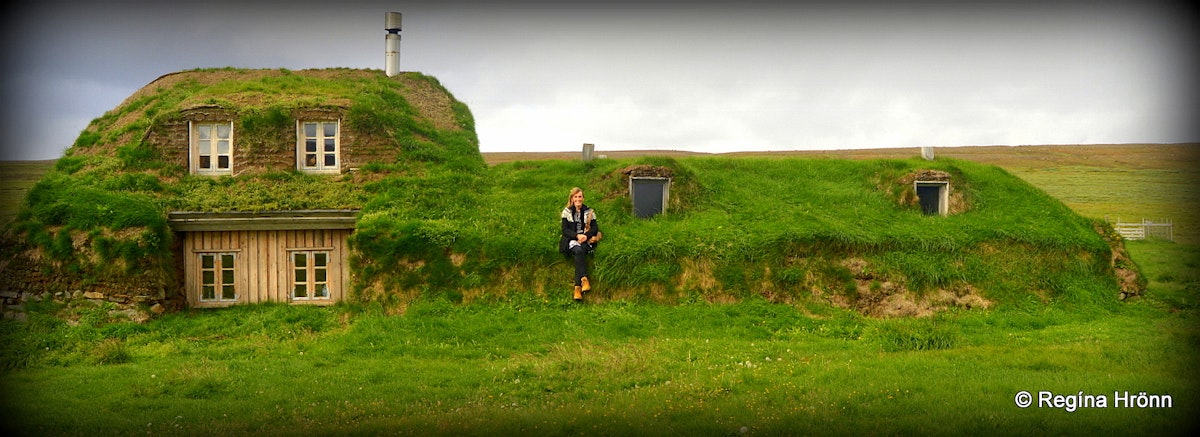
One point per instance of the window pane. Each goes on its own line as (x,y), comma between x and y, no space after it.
(310,145)
(227,293)
(223,162)
(301,275)
(323,291)
(310,130)
(300,290)
(330,129)
(320,259)
(227,260)
(209,277)
(223,147)
(310,160)
(207,292)
(330,160)
(301,259)
(204,131)
(204,147)
(330,146)
(205,161)
(319,275)
(206,261)
(227,276)
(223,131)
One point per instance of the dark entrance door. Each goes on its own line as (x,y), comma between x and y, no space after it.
(931,198)
(648,195)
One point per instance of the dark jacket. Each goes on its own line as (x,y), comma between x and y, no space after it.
(590,228)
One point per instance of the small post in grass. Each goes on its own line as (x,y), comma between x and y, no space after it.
(927,152)
(589,151)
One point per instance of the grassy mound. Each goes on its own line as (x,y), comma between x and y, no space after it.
(845,232)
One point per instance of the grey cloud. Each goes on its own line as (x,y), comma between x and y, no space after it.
(708,75)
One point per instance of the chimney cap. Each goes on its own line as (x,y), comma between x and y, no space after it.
(391,22)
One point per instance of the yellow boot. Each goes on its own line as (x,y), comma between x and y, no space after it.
(587,286)
(578,293)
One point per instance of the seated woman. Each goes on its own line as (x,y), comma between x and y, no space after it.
(580,234)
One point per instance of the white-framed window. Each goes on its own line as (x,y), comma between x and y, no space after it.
(310,275)
(217,277)
(212,148)
(317,148)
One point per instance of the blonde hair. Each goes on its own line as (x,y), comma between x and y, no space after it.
(573,191)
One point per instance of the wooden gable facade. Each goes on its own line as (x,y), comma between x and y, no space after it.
(298,257)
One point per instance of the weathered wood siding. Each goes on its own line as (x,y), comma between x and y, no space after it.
(263,265)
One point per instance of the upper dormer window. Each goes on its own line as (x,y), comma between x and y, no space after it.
(317,148)
(212,148)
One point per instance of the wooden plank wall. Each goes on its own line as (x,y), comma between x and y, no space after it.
(262,265)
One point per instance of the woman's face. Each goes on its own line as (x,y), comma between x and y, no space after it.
(577,199)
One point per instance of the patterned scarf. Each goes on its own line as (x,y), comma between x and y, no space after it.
(578,220)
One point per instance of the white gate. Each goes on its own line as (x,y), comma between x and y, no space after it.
(1145,229)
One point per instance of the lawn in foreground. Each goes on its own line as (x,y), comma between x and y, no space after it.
(530,365)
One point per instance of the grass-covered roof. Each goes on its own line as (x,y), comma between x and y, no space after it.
(101,212)
(436,221)
(788,229)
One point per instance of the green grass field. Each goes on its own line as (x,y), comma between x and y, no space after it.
(16,177)
(1126,194)
(531,365)
(552,368)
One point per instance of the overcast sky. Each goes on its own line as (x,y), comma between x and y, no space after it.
(703,76)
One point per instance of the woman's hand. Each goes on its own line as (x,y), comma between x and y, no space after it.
(582,238)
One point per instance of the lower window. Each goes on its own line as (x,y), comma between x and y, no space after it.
(217,278)
(310,275)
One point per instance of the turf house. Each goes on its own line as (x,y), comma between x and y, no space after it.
(218,187)
(278,156)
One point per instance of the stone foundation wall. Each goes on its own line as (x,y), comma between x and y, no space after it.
(29,276)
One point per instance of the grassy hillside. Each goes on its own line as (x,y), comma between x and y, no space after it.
(1100,181)
(785,229)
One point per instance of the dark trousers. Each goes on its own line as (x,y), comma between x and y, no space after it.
(580,253)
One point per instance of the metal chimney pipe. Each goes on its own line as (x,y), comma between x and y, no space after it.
(392,43)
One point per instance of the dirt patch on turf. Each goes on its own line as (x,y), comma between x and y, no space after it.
(697,274)
(883,297)
(1129,278)
(433,104)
